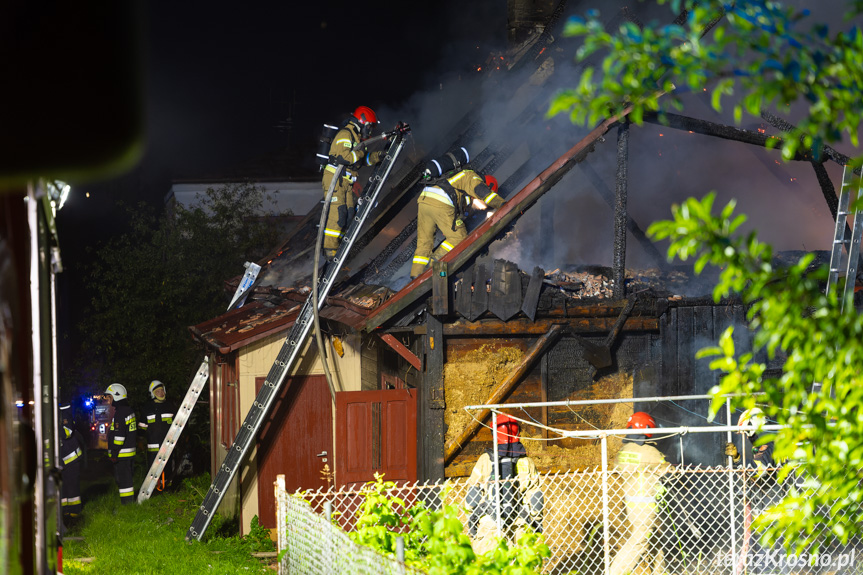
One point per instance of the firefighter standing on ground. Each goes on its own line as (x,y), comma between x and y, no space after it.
(345,150)
(521,501)
(122,437)
(449,187)
(156,420)
(641,465)
(72,454)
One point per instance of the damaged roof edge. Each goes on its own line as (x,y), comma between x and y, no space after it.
(486,231)
(225,348)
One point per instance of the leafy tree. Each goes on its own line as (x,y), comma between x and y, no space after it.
(764,55)
(164,274)
(435,540)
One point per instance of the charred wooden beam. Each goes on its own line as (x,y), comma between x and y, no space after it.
(500,392)
(631,225)
(494,327)
(705,128)
(401,349)
(620,214)
(614,333)
(825,150)
(440,288)
(543,395)
(827,189)
(432,403)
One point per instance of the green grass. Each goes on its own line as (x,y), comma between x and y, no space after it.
(150,538)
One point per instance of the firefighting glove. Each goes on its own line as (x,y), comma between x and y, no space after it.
(731,451)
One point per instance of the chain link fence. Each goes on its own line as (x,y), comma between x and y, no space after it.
(696,520)
(309,544)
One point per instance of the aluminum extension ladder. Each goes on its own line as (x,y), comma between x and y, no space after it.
(185,410)
(293,343)
(851,243)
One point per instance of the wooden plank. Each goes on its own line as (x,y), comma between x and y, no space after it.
(512,293)
(543,390)
(440,288)
(401,349)
(494,327)
(685,351)
(479,300)
(505,293)
(702,334)
(668,335)
(433,403)
(531,297)
(464,293)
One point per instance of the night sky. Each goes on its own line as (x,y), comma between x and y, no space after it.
(227,82)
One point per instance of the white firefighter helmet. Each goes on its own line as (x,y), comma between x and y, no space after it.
(752,420)
(153,385)
(117,391)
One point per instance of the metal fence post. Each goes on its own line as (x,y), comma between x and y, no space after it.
(497,476)
(731,516)
(400,553)
(281,516)
(606,535)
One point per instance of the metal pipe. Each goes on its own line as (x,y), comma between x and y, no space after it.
(599,401)
(400,549)
(315,304)
(497,476)
(733,524)
(606,527)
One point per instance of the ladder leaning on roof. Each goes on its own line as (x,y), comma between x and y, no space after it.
(841,239)
(185,410)
(847,207)
(294,342)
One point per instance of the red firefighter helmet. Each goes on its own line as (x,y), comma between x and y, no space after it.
(365,115)
(641,420)
(507,429)
(491,182)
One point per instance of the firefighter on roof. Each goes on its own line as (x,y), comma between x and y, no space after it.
(72,454)
(641,466)
(345,150)
(122,437)
(521,501)
(156,420)
(449,189)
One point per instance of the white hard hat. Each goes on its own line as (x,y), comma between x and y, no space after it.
(153,385)
(753,420)
(117,390)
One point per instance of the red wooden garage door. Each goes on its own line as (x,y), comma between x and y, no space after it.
(376,432)
(292,440)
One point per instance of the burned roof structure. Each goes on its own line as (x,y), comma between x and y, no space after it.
(570,326)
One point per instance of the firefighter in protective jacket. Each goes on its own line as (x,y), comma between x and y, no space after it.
(641,466)
(122,437)
(345,150)
(449,189)
(156,420)
(521,501)
(72,454)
